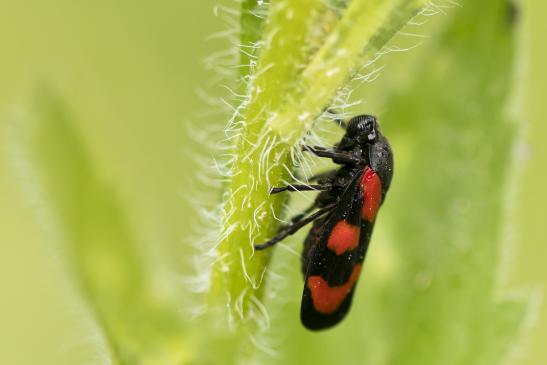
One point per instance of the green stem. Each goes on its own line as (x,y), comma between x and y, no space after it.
(260,161)
(251,29)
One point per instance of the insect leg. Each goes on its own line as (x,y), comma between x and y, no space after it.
(341,157)
(322,187)
(297,218)
(293,228)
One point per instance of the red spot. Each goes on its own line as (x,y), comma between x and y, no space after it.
(327,299)
(344,237)
(372,196)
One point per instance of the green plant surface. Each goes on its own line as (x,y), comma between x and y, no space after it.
(84,217)
(531,195)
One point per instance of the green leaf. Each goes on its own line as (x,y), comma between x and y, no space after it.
(86,220)
(453,181)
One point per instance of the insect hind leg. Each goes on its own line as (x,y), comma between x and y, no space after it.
(295,227)
(292,188)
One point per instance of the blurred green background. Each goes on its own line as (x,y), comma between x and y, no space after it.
(130,75)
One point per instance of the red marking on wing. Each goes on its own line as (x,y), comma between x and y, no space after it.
(344,237)
(372,194)
(327,299)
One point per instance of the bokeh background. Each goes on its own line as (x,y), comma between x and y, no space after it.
(131,76)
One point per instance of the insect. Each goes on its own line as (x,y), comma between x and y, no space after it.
(345,212)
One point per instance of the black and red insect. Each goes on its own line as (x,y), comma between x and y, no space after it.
(345,212)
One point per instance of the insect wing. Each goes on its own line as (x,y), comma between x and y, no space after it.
(334,263)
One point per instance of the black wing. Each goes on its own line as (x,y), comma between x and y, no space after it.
(334,262)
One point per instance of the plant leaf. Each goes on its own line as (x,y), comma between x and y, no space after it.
(86,219)
(453,183)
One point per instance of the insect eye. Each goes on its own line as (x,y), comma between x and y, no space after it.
(357,126)
(364,128)
(370,130)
